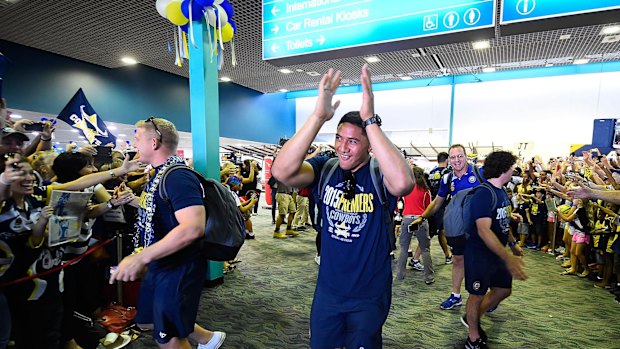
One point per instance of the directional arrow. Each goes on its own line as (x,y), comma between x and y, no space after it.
(275,47)
(274,11)
(321,40)
(275,29)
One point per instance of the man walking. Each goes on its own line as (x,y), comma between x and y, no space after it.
(353,293)
(168,241)
(488,265)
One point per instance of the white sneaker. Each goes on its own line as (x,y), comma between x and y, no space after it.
(317,259)
(215,342)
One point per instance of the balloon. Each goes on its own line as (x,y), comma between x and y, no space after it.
(160,5)
(227,33)
(213,14)
(204,3)
(217,2)
(174,14)
(185,27)
(233,25)
(228,8)
(196,10)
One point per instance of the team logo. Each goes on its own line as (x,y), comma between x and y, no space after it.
(162,335)
(472,179)
(476,285)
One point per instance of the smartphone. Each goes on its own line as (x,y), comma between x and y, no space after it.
(414,227)
(104,154)
(35,126)
(131,154)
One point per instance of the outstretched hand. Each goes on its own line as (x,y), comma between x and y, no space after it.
(368,99)
(325,108)
(583,192)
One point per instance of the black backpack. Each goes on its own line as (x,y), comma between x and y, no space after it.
(224,228)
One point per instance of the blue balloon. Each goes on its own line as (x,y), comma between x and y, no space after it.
(228,8)
(204,3)
(233,25)
(197,9)
(185,27)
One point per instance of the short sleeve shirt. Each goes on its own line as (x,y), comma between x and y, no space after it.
(355,260)
(481,207)
(466,181)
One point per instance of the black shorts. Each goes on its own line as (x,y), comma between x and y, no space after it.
(484,270)
(457,244)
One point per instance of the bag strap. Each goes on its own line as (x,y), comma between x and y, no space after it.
(478,175)
(377,182)
(163,193)
(326,173)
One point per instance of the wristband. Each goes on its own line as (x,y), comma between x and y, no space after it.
(112,174)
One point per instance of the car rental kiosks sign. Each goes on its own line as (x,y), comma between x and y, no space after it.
(296,28)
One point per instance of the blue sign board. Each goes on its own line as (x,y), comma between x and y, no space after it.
(299,27)
(514,11)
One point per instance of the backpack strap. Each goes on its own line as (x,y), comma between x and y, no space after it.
(326,173)
(478,175)
(377,182)
(163,193)
(493,195)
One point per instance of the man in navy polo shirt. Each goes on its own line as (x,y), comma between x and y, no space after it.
(353,292)
(463,176)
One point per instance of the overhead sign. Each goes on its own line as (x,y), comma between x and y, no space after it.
(514,11)
(295,27)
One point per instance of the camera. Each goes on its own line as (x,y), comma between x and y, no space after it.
(104,154)
(35,126)
(413,227)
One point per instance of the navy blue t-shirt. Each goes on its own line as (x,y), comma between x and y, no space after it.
(184,190)
(481,202)
(355,253)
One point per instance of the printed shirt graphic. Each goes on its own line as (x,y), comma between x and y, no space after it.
(481,202)
(467,180)
(355,259)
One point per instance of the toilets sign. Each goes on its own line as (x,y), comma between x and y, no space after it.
(514,11)
(296,28)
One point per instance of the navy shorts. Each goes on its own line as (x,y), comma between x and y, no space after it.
(457,244)
(169,300)
(337,322)
(484,270)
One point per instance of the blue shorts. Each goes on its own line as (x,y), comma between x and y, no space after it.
(337,322)
(457,244)
(484,270)
(169,300)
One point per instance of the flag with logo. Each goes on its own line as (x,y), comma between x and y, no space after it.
(81,115)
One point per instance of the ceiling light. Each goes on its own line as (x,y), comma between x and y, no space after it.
(405,78)
(285,71)
(548,65)
(81,137)
(581,61)
(614,29)
(122,135)
(112,127)
(16,116)
(35,133)
(299,70)
(225,79)
(565,37)
(129,60)
(282,90)
(75,131)
(488,70)
(481,45)
(372,59)
(313,73)
(415,55)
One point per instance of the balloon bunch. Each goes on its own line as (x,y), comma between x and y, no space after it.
(182,13)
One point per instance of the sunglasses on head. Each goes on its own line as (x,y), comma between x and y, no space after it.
(349,185)
(152,121)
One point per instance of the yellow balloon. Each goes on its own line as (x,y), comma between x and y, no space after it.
(174,14)
(227,33)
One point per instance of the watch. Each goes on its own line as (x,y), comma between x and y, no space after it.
(109,204)
(375,119)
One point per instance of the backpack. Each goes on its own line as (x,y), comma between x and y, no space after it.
(224,228)
(456,219)
(375,174)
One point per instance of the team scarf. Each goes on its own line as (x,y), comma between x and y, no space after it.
(145,233)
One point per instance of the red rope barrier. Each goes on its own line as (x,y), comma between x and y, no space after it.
(90,250)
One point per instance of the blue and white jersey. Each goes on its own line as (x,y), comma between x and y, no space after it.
(466,181)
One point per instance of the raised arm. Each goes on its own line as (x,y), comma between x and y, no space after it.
(289,166)
(397,174)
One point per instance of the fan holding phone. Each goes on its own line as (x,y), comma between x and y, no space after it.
(415,204)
